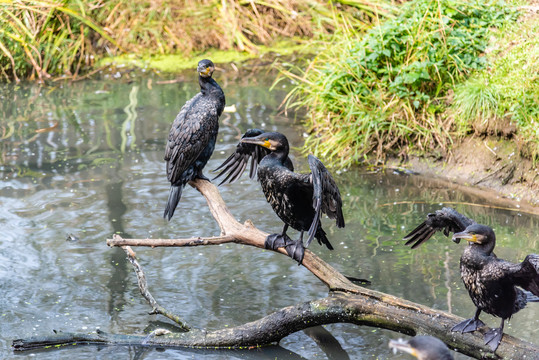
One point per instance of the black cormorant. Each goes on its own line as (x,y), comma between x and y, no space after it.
(298,199)
(491,282)
(192,137)
(423,348)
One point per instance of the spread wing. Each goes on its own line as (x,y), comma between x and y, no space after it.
(447,219)
(236,163)
(189,135)
(526,274)
(326,196)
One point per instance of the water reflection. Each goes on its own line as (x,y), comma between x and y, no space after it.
(87,159)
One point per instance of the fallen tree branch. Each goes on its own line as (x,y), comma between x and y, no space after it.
(338,307)
(346,303)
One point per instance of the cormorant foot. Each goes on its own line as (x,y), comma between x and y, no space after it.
(296,250)
(275,241)
(467,326)
(493,337)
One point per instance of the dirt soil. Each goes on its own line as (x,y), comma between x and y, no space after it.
(489,167)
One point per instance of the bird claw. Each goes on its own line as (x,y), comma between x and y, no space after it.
(467,326)
(493,337)
(294,249)
(275,241)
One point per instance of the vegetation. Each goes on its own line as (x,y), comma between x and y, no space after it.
(48,37)
(421,78)
(504,96)
(385,92)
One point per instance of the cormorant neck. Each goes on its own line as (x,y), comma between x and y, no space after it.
(485,249)
(281,154)
(207,84)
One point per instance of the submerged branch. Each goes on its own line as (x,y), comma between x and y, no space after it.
(143,286)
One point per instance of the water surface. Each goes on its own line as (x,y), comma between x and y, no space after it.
(86,159)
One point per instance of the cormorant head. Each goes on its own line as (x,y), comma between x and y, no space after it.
(205,68)
(273,141)
(423,348)
(478,234)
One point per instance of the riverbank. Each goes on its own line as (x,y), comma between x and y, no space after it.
(489,167)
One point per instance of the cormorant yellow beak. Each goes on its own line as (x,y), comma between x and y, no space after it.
(262,142)
(468,237)
(206,72)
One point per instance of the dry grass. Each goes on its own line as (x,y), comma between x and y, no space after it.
(40,38)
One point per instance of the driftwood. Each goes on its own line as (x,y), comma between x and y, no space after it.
(346,302)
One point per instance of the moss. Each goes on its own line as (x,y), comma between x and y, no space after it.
(178,62)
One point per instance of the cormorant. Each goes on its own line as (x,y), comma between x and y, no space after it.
(192,136)
(298,199)
(491,282)
(423,348)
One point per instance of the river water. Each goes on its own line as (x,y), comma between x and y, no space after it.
(81,161)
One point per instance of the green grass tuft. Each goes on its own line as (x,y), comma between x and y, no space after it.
(383,93)
(506,94)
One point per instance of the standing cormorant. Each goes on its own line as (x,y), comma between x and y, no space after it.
(192,136)
(423,348)
(298,199)
(491,282)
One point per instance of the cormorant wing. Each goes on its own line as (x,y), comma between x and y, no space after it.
(525,274)
(447,219)
(326,196)
(185,141)
(234,165)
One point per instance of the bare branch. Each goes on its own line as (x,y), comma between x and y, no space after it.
(117,240)
(246,234)
(143,286)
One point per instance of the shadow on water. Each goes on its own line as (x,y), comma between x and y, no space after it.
(87,159)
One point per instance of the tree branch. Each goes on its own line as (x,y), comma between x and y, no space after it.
(143,286)
(338,307)
(346,303)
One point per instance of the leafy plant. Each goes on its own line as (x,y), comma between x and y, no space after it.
(506,93)
(383,92)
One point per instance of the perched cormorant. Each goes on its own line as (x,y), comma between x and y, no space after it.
(298,199)
(423,348)
(491,282)
(192,137)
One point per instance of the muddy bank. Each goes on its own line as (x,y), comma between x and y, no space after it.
(490,168)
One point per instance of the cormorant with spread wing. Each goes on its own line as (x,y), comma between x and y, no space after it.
(298,199)
(493,284)
(192,137)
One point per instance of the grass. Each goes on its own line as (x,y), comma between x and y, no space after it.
(506,93)
(49,37)
(384,93)
(40,37)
